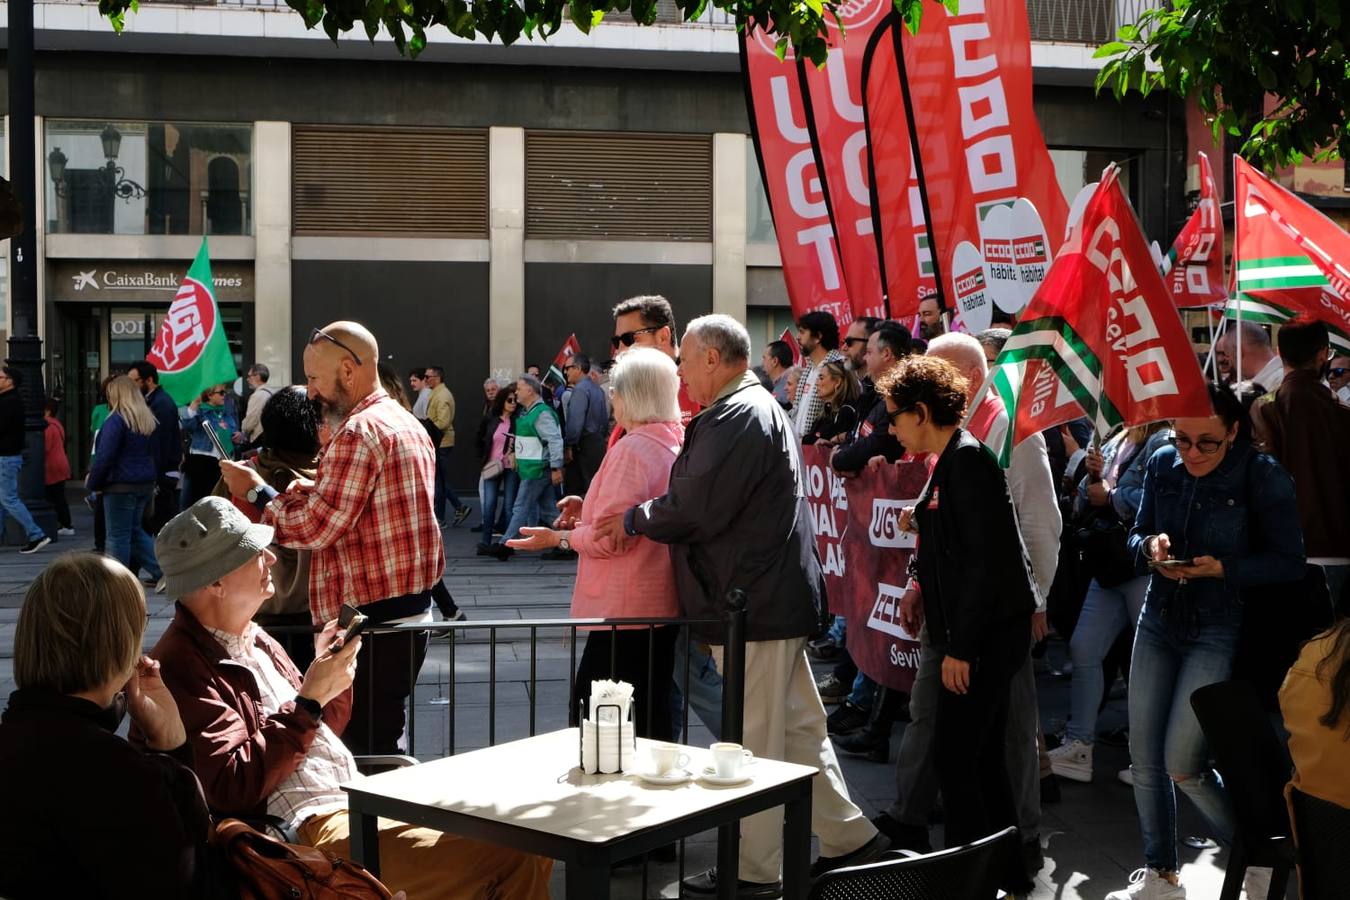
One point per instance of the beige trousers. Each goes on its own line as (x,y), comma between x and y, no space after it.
(430,864)
(785,720)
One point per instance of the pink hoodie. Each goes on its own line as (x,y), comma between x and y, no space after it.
(641,581)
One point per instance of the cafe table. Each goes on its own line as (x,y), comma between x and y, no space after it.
(531,795)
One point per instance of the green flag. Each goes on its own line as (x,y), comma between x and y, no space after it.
(190,351)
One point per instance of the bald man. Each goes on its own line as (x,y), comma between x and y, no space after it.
(1260,363)
(369,520)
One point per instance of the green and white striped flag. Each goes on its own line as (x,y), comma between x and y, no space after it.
(1265,312)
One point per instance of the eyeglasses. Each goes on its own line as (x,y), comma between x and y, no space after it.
(1207,446)
(629,337)
(895,415)
(849,342)
(215,393)
(317,333)
(510,400)
(570,366)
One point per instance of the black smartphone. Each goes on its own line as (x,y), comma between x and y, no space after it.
(351,621)
(1155,564)
(215,439)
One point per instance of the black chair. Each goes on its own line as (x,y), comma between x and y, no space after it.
(972,872)
(1322,831)
(1255,767)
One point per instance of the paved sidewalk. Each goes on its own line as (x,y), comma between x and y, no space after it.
(1091,840)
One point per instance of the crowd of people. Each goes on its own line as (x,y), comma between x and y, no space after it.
(674,475)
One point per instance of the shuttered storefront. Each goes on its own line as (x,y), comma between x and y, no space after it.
(414,182)
(618,186)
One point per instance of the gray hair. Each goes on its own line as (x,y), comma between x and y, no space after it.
(961,349)
(534,383)
(723,334)
(994,338)
(646,380)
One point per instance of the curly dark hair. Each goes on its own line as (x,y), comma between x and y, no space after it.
(935,383)
(290,422)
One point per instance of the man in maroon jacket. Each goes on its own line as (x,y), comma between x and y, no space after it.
(265,738)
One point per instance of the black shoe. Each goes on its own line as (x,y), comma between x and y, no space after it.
(1049,790)
(705,883)
(875,747)
(501,552)
(823,650)
(902,836)
(35,546)
(1032,857)
(1116,737)
(831,689)
(483,549)
(559,553)
(845,719)
(461,515)
(869,851)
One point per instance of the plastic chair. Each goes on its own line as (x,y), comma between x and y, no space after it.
(971,872)
(1322,832)
(1255,767)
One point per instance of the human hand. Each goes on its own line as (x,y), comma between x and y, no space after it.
(955,675)
(1098,494)
(535,539)
(1200,567)
(911,612)
(152,707)
(876,462)
(1158,547)
(569,510)
(1071,445)
(1095,463)
(300,486)
(194,403)
(331,673)
(556,477)
(325,637)
(238,437)
(906,521)
(567,456)
(612,528)
(1040,626)
(239,478)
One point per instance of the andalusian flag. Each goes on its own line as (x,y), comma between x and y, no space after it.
(570,348)
(1247,308)
(190,351)
(1101,338)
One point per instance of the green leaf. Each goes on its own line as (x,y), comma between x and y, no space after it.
(1128,33)
(1111,49)
(1266,76)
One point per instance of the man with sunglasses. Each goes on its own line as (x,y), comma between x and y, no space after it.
(368,518)
(1305,427)
(855,343)
(1338,377)
(648,321)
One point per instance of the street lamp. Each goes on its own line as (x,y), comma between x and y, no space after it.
(112,176)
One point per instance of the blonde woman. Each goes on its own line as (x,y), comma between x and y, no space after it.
(123,474)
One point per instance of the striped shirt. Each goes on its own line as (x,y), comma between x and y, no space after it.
(314,787)
(369,518)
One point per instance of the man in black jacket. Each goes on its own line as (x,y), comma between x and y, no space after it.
(886,346)
(167,441)
(12,439)
(736,516)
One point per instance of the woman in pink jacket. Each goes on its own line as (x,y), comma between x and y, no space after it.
(638,582)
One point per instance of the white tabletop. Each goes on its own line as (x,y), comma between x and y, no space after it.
(535,783)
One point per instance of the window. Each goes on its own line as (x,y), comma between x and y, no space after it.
(148,178)
(758,221)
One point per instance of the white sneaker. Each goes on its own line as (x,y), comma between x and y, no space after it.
(1148,884)
(1126,776)
(65,532)
(1256,883)
(1072,761)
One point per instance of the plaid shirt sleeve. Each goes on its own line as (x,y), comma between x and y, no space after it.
(315,519)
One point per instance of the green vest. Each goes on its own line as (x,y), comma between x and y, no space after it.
(531,462)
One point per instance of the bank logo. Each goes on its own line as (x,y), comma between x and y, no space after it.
(885,615)
(885,529)
(84,279)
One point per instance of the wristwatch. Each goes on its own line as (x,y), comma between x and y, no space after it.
(563,542)
(310,706)
(252,494)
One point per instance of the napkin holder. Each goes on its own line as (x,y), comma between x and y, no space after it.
(620,723)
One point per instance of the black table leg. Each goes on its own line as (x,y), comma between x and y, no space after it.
(797,846)
(728,859)
(587,882)
(365,841)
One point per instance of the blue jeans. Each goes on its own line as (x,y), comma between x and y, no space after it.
(10,500)
(127,541)
(1106,613)
(498,493)
(705,686)
(1165,737)
(443,490)
(535,502)
(863,692)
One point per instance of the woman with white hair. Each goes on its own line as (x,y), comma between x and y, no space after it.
(638,581)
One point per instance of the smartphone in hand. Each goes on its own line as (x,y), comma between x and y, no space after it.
(352,622)
(1155,564)
(215,439)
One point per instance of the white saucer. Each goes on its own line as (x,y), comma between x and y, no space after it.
(711,776)
(674,776)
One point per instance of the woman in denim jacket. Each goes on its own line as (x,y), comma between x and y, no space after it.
(1108,496)
(1213,500)
(201,464)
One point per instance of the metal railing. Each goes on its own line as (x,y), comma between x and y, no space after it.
(1083,21)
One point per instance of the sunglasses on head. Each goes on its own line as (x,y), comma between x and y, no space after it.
(317,333)
(629,337)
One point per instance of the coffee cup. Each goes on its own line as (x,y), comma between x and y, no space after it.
(728,759)
(666,757)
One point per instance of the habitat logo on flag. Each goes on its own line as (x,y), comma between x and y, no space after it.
(191,351)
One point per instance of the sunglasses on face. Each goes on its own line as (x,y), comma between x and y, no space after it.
(849,342)
(1338,372)
(1207,446)
(317,333)
(629,337)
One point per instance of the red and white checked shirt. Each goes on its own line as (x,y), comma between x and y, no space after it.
(369,518)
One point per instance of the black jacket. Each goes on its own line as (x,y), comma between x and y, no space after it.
(972,569)
(11,423)
(736,517)
(872,438)
(167,439)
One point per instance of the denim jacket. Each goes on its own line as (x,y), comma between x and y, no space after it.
(1129,487)
(1244,513)
(222,420)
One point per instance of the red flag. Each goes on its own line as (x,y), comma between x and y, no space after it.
(789,338)
(997,213)
(1195,262)
(787,164)
(571,347)
(1101,338)
(837,124)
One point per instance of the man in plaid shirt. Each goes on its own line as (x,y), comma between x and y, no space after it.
(369,520)
(818,335)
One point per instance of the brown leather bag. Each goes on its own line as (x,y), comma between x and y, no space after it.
(268,869)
